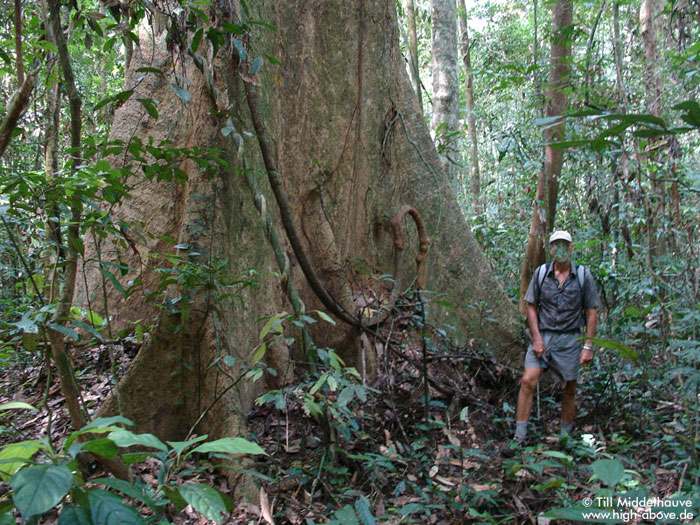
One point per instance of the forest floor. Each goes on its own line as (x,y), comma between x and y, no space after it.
(404,461)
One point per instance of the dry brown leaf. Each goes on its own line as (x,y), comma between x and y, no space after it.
(433,471)
(265,506)
(452,438)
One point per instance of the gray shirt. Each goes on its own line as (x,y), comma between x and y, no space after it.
(562,308)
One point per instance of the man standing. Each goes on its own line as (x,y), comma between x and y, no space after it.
(561,299)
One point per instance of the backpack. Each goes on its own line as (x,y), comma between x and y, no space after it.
(543,270)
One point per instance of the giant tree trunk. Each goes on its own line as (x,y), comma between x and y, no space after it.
(445,82)
(352,148)
(545,206)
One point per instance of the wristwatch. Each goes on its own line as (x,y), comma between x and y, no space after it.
(588,347)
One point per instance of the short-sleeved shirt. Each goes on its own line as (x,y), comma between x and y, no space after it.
(562,308)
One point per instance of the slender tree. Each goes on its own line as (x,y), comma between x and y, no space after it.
(445,118)
(545,205)
(471,114)
(410,8)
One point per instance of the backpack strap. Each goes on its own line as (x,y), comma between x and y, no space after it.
(542,272)
(581,276)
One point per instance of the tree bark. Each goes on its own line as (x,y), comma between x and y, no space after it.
(471,115)
(545,205)
(445,84)
(413,50)
(16,107)
(309,107)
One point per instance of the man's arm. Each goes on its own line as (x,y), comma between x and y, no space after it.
(591,326)
(537,342)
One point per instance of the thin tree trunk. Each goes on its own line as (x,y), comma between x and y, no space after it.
(471,117)
(19,61)
(548,182)
(413,50)
(589,51)
(445,82)
(617,50)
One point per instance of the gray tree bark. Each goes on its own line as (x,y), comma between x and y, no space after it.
(445,83)
(413,50)
(474,176)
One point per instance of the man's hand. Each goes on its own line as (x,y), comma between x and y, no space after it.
(586,356)
(538,347)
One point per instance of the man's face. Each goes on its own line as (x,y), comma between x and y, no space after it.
(561,251)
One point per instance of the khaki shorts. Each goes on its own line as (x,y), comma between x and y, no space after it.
(562,351)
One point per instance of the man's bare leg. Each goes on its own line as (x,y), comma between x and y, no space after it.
(531,377)
(568,406)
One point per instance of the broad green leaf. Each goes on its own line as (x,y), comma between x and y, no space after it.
(22,452)
(240,49)
(205,500)
(71,515)
(66,331)
(624,350)
(122,97)
(107,509)
(235,445)
(346,516)
(364,512)
(273,322)
(15,405)
(180,446)
(30,342)
(127,489)
(39,488)
(609,471)
(181,92)
(102,447)
(196,40)
(174,496)
(325,317)
(126,438)
(112,279)
(88,329)
(256,66)
(150,106)
(27,323)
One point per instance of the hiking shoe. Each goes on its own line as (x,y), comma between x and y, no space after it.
(512,448)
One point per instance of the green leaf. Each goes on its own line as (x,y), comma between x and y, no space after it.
(149,70)
(364,512)
(235,445)
(205,500)
(180,446)
(107,509)
(112,279)
(102,447)
(273,322)
(181,92)
(128,489)
(624,350)
(150,106)
(233,28)
(256,66)
(174,496)
(15,405)
(609,471)
(22,452)
(120,97)
(68,332)
(240,49)
(95,319)
(346,516)
(40,488)
(325,317)
(71,515)
(88,329)
(196,40)
(126,438)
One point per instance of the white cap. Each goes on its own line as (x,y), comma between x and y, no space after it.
(560,235)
